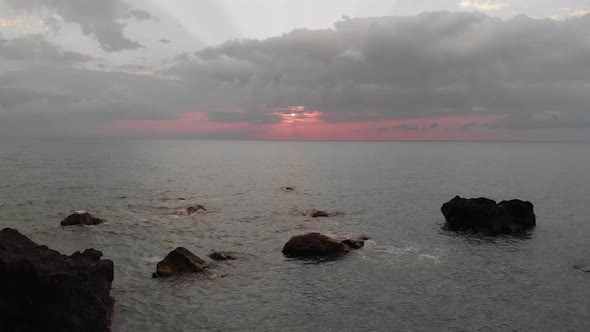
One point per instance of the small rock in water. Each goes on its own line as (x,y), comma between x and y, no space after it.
(194,209)
(364,238)
(81,218)
(583,268)
(354,244)
(289,188)
(180,260)
(219,256)
(318,214)
(314,245)
(483,215)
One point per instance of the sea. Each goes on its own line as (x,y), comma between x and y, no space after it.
(410,276)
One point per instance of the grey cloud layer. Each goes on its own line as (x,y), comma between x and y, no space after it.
(429,65)
(410,66)
(101,19)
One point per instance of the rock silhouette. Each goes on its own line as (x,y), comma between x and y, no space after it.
(314,245)
(483,215)
(178,261)
(81,218)
(43,290)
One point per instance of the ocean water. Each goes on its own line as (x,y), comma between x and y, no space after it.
(411,275)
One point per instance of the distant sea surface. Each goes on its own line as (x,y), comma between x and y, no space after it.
(411,275)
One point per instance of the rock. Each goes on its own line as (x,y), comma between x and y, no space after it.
(81,218)
(219,256)
(318,214)
(354,244)
(583,268)
(43,290)
(178,261)
(314,245)
(289,188)
(485,216)
(364,238)
(194,209)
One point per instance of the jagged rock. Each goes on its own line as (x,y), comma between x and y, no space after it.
(178,261)
(194,209)
(81,218)
(354,244)
(43,290)
(485,216)
(219,256)
(314,245)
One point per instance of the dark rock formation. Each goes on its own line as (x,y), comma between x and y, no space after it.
(318,214)
(354,244)
(179,260)
(43,290)
(485,216)
(582,268)
(314,245)
(220,256)
(194,209)
(289,188)
(81,218)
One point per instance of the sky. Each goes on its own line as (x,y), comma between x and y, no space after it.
(296,70)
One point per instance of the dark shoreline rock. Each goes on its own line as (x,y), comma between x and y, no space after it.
(314,245)
(483,215)
(178,261)
(81,218)
(43,290)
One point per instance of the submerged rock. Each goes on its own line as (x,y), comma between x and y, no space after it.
(354,244)
(220,256)
(43,290)
(194,209)
(178,261)
(81,218)
(485,216)
(318,214)
(314,245)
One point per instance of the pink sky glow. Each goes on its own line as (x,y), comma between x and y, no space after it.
(298,123)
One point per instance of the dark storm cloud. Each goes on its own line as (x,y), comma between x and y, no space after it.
(104,19)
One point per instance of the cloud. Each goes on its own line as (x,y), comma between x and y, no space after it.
(6,22)
(104,19)
(580,12)
(37,48)
(376,71)
(483,5)
(403,67)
